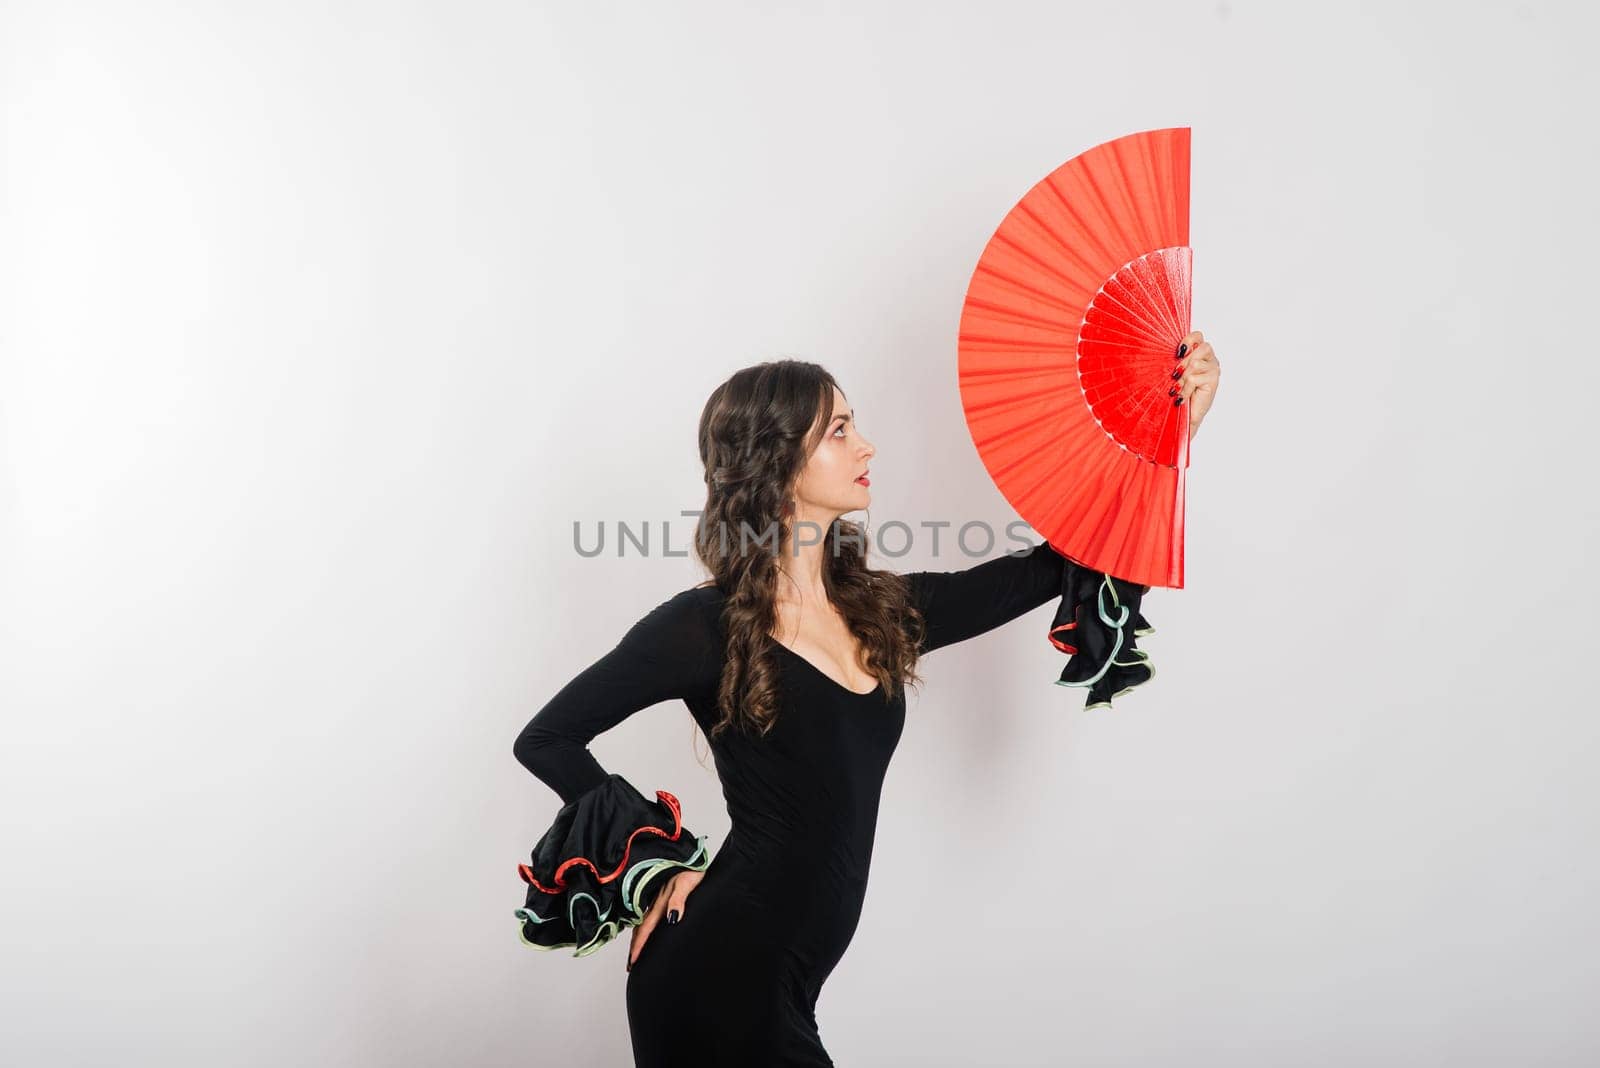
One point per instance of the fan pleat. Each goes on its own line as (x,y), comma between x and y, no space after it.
(1067,338)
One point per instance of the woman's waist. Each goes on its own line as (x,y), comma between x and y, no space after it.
(796,865)
(810,908)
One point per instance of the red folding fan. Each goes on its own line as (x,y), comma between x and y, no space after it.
(1069,338)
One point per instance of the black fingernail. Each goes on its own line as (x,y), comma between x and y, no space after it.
(1183,348)
(1172,391)
(672,916)
(1178,372)
(1178,403)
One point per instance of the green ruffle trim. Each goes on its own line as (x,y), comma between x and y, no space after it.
(629,909)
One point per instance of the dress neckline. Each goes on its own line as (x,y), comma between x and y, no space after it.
(718,593)
(825,675)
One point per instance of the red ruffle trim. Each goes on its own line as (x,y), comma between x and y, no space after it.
(560,875)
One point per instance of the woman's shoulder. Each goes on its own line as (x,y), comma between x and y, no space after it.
(706,593)
(701,603)
(682,630)
(690,601)
(710,599)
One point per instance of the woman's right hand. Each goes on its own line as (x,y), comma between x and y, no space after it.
(669,902)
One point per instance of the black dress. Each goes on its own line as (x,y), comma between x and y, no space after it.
(736,980)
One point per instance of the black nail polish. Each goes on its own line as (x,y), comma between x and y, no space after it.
(1172,391)
(1183,348)
(672,915)
(1178,403)
(1178,372)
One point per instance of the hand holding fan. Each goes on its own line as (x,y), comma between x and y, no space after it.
(1068,342)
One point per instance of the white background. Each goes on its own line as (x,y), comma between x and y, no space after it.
(323,323)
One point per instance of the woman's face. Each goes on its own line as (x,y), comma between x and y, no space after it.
(828,486)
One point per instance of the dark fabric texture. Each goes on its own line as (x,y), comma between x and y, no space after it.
(736,981)
(1098,623)
(598,868)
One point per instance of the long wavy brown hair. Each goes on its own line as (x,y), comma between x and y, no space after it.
(757,431)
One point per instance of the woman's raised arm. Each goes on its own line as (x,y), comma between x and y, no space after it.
(1097,623)
(957,605)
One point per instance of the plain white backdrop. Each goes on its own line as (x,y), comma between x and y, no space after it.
(323,323)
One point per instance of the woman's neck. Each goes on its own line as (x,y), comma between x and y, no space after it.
(801,563)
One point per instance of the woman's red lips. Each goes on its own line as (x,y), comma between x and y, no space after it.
(862,478)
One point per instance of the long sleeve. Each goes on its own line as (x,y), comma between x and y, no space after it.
(669,653)
(957,605)
(597,868)
(1097,623)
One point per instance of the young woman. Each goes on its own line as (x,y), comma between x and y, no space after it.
(793,659)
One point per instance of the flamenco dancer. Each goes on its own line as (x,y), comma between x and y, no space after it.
(794,663)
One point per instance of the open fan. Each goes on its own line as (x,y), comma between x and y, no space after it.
(1068,341)
(1068,345)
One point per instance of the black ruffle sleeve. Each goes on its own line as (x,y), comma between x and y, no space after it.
(1098,623)
(600,865)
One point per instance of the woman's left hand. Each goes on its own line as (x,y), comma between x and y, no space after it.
(671,899)
(1197,387)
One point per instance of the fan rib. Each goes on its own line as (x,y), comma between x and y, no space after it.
(1066,342)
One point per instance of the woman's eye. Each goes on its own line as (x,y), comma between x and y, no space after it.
(840,430)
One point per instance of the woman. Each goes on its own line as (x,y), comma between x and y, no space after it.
(794,663)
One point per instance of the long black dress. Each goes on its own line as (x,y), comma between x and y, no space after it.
(736,980)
